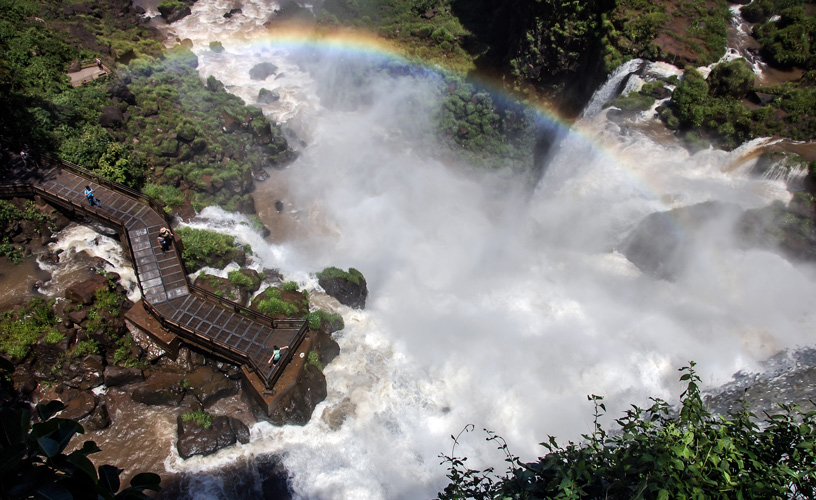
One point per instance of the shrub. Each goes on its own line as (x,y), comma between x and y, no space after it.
(241,280)
(731,79)
(660,454)
(314,359)
(290,286)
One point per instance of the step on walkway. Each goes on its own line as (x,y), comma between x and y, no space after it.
(243,338)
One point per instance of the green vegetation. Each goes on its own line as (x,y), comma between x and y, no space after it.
(208,248)
(715,109)
(36,466)
(659,454)
(245,281)
(85,348)
(290,286)
(274,305)
(22,328)
(313,359)
(440,38)
(317,318)
(352,275)
(200,417)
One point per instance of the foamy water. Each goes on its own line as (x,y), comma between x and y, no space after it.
(487,307)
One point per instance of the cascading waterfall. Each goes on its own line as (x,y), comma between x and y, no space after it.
(482,309)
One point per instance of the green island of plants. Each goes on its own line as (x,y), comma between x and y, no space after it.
(352,275)
(658,453)
(203,247)
(200,417)
(20,329)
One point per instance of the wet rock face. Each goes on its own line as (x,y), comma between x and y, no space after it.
(208,386)
(296,406)
(161,389)
(346,292)
(662,243)
(115,376)
(85,292)
(194,439)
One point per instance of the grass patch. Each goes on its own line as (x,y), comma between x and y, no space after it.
(21,329)
(352,275)
(200,417)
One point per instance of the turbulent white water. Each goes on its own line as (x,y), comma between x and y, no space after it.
(485,306)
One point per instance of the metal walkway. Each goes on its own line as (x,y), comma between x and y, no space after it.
(213,323)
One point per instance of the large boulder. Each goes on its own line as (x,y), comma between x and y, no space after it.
(662,243)
(298,400)
(262,71)
(111,116)
(84,292)
(349,288)
(266,96)
(195,439)
(161,389)
(208,385)
(115,376)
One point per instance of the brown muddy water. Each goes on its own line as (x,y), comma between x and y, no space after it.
(20,282)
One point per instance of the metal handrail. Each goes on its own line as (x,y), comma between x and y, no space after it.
(239,309)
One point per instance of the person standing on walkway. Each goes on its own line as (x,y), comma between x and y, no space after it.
(99,63)
(165,239)
(276,354)
(89,194)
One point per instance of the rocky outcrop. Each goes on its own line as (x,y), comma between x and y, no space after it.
(262,71)
(115,376)
(84,292)
(299,399)
(266,96)
(196,439)
(172,12)
(349,288)
(161,389)
(208,386)
(662,243)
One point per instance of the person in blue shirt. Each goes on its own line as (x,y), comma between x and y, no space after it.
(276,354)
(90,195)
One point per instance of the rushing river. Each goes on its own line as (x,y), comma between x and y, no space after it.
(487,306)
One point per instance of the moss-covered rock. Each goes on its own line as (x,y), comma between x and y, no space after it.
(349,288)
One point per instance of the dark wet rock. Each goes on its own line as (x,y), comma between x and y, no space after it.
(208,385)
(240,429)
(78,316)
(662,243)
(161,389)
(111,116)
(299,399)
(194,439)
(778,227)
(122,92)
(115,376)
(761,98)
(74,67)
(172,12)
(262,71)
(231,123)
(78,404)
(346,291)
(98,419)
(85,374)
(84,292)
(266,96)
(232,12)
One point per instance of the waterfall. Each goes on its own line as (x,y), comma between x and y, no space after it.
(486,306)
(611,87)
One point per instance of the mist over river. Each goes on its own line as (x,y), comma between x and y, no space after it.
(487,305)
